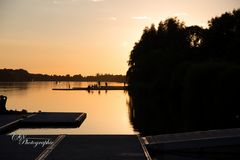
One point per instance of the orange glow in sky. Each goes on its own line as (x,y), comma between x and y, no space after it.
(87,36)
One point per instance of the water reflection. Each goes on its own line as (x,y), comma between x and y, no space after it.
(8,87)
(152,115)
(107,112)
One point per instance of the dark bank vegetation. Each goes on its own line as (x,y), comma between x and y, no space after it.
(21,75)
(186,78)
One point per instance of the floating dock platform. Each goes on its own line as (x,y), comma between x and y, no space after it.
(74,147)
(54,120)
(92,88)
(11,122)
(215,144)
(198,145)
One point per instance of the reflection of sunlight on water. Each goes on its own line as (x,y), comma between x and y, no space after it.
(124,118)
(107,113)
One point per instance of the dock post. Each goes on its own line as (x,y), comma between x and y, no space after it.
(3,100)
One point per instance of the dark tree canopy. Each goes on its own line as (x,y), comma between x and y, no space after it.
(192,73)
(172,43)
(222,38)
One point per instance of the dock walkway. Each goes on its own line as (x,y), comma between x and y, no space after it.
(200,145)
(75,147)
(198,139)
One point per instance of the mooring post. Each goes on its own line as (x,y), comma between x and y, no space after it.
(3,100)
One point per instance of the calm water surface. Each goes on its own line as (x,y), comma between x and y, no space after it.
(107,112)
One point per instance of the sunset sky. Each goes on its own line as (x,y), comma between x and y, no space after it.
(87,36)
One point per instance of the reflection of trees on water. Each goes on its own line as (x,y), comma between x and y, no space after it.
(152,114)
(23,87)
(13,87)
(149,115)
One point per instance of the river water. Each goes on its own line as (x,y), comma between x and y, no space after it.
(107,111)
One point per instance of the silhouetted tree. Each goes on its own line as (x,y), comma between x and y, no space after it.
(193,72)
(223,36)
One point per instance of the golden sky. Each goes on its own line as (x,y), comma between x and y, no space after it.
(87,36)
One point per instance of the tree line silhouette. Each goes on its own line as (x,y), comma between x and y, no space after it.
(190,75)
(21,75)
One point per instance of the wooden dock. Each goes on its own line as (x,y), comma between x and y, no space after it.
(200,145)
(85,147)
(11,122)
(92,88)
(15,148)
(200,139)
(54,120)
(74,147)
(215,144)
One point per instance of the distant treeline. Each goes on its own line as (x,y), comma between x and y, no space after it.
(21,75)
(192,73)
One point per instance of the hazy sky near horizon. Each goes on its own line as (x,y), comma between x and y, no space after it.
(88,36)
